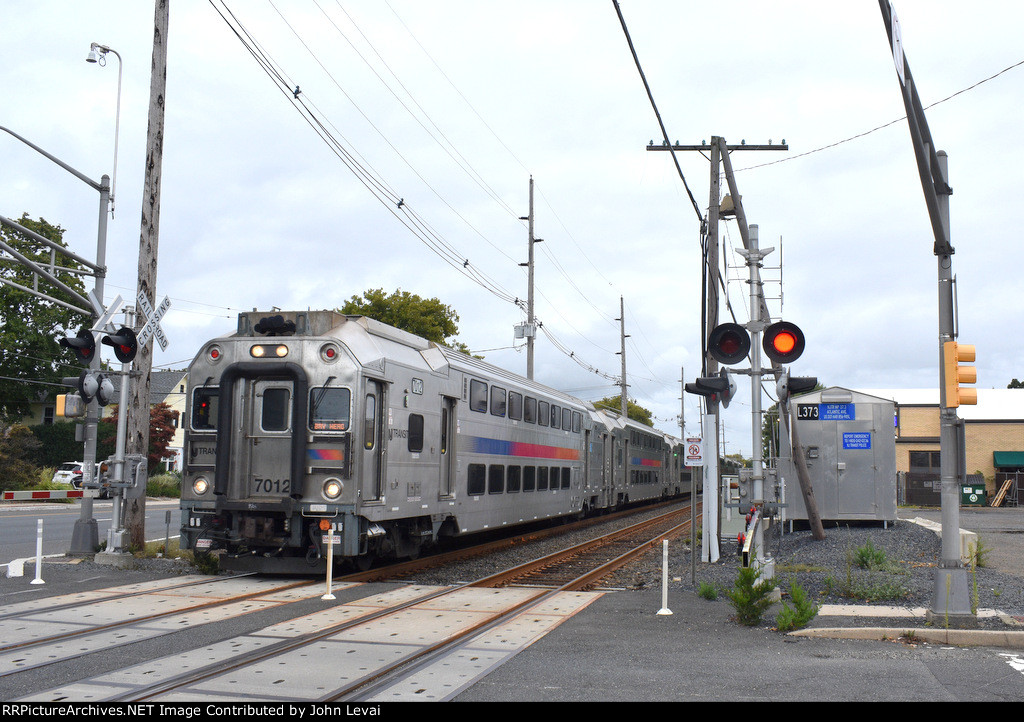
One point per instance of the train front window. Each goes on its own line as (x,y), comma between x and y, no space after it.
(274,416)
(330,409)
(204,408)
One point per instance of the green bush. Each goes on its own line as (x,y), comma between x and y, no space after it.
(165,485)
(708,591)
(800,614)
(867,557)
(751,596)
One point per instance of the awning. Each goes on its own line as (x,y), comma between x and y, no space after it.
(1008,459)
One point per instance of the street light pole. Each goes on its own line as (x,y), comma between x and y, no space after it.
(98,54)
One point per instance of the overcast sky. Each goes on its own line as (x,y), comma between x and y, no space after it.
(452,106)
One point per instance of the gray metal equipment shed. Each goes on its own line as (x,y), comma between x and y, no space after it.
(849,443)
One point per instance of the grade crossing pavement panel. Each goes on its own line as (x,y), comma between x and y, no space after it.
(89,624)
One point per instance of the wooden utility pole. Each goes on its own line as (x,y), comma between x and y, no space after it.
(139,412)
(623,386)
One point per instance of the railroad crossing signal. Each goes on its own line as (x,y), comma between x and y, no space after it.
(125,344)
(729,343)
(783,342)
(791,385)
(953,374)
(152,327)
(721,388)
(84,345)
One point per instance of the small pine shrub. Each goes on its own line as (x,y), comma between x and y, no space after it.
(708,591)
(800,614)
(867,557)
(750,597)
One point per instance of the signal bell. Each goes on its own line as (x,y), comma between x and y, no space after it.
(783,342)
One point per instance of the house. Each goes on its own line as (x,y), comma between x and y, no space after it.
(164,386)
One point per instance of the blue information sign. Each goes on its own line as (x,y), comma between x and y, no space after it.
(837,412)
(856,439)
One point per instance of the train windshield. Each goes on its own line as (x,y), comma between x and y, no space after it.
(330,409)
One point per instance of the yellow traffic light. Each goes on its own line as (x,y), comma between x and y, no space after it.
(953,374)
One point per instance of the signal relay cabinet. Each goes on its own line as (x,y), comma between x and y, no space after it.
(848,440)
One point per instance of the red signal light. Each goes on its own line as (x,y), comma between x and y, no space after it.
(729,343)
(783,342)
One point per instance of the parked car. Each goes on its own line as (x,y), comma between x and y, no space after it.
(72,473)
(66,473)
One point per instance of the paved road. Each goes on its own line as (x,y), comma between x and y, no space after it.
(19,522)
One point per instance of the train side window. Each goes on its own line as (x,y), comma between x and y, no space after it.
(542,417)
(415,433)
(476,480)
(566,477)
(496,479)
(274,415)
(542,478)
(330,409)
(497,401)
(369,421)
(567,419)
(577,421)
(514,478)
(478,396)
(205,402)
(529,478)
(530,410)
(556,415)
(515,405)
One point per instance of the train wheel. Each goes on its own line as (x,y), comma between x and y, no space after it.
(363,562)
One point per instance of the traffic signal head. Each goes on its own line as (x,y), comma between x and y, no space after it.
(125,344)
(953,374)
(84,345)
(783,342)
(719,388)
(729,343)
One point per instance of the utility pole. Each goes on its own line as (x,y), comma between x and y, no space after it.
(530,327)
(623,386)
(139,413)
(719,152)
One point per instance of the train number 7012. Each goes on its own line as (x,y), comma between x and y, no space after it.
(271,486)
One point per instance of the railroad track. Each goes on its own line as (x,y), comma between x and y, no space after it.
(370,646)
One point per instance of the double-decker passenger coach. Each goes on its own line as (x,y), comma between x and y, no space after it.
(304,422)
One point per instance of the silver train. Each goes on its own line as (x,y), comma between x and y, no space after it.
(305,423)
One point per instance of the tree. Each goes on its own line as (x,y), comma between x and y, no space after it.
(32,361)
(429,318)
(17,444)
(162,423)
(1015,384)
(633,410)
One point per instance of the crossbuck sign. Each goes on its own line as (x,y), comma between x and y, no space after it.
(152,327)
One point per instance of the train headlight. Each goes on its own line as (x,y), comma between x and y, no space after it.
(200,486)
(214,354)
(333,488)
(268,351)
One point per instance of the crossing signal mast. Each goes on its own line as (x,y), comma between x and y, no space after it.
(731,343)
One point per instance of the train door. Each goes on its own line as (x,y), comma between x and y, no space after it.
(374,409)
(446,485)
(269,441)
